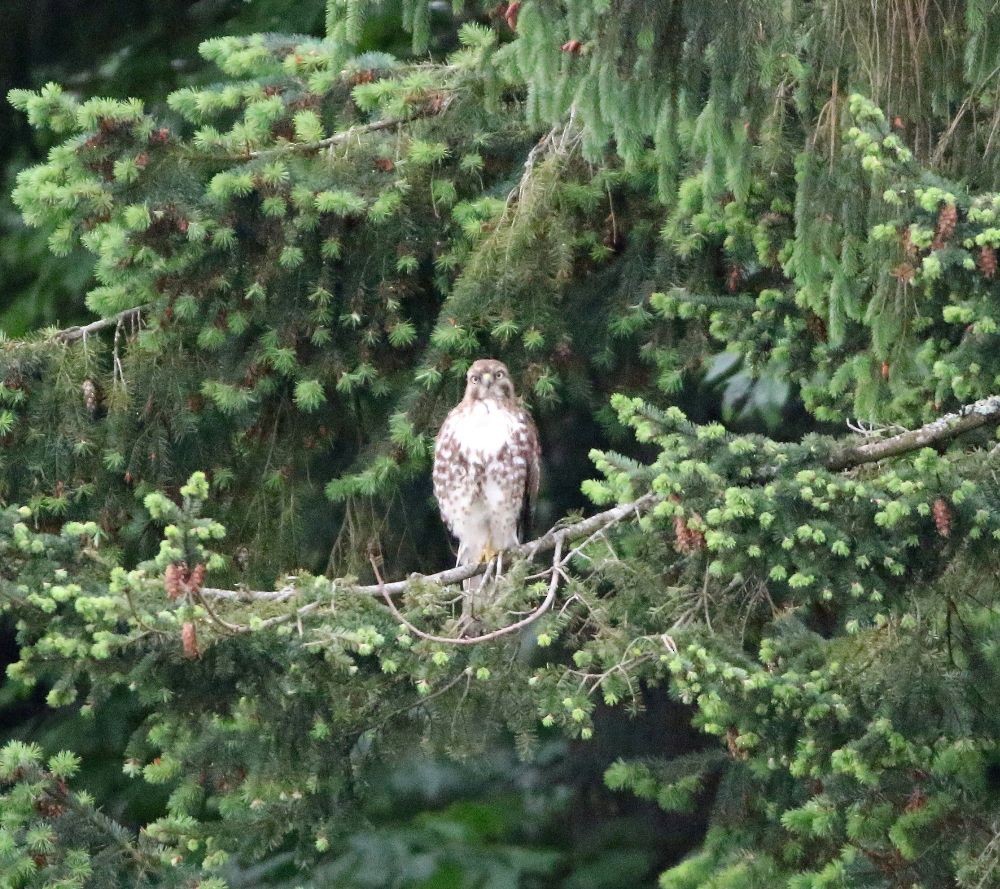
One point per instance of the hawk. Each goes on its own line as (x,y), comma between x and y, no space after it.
(486,465)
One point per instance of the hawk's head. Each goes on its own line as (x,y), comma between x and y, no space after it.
(488,378)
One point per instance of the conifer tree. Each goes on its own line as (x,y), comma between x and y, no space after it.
(296,265)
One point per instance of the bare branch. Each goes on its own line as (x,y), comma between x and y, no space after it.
(971,416)
(71,334)
(545,543)
(215,619)
(429,109)
(495,634)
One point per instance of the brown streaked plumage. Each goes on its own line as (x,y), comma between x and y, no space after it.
(487,465)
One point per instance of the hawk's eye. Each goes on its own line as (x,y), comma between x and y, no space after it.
(475,379)
(499,374)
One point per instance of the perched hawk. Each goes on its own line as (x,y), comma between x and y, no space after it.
(486,465)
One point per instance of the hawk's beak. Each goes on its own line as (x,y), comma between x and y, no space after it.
(488,379)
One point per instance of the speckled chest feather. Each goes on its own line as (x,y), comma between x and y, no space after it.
(486,472)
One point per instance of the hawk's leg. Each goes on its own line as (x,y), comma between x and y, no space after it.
(494,564)
(478,590)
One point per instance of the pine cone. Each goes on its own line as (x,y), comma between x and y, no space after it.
(909,248)
(942,517)
(436,102)
(197,578)
(987,262)
(688,540)
(366,76)
(734,278)
(173,580)
(947,219)
(572,46)
(90,396)
(510,14)
(49,807)
(816,326)
(735,751)
(904,272)
(189,640)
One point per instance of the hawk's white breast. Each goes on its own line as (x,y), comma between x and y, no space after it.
(483,429)
(481,474)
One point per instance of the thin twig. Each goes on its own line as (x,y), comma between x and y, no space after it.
(973,95)
(117,370)
(81,332)
(113,830)
(872,430)
(429,109)
(494,634)
(704,602)
(448,686)
(226,626)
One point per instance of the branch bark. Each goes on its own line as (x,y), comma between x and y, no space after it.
(554,539)
(71,334)
(428,110)
(971,416)
(550,597)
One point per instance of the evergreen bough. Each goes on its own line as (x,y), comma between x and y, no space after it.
(293,269)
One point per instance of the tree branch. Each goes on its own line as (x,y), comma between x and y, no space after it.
(550,597)
(71,334)
(971,416)
(429,109)
(552,539)
(117,834)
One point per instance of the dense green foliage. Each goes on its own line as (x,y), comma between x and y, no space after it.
(617,198)
(115,47)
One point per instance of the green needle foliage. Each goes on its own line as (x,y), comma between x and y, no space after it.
(298,264)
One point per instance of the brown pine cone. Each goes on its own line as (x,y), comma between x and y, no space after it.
(173,580)
(688,540)
(197,579)
(189,640)
(90,396)
(942,517)
(947,220)
(511,13)
(987,262)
